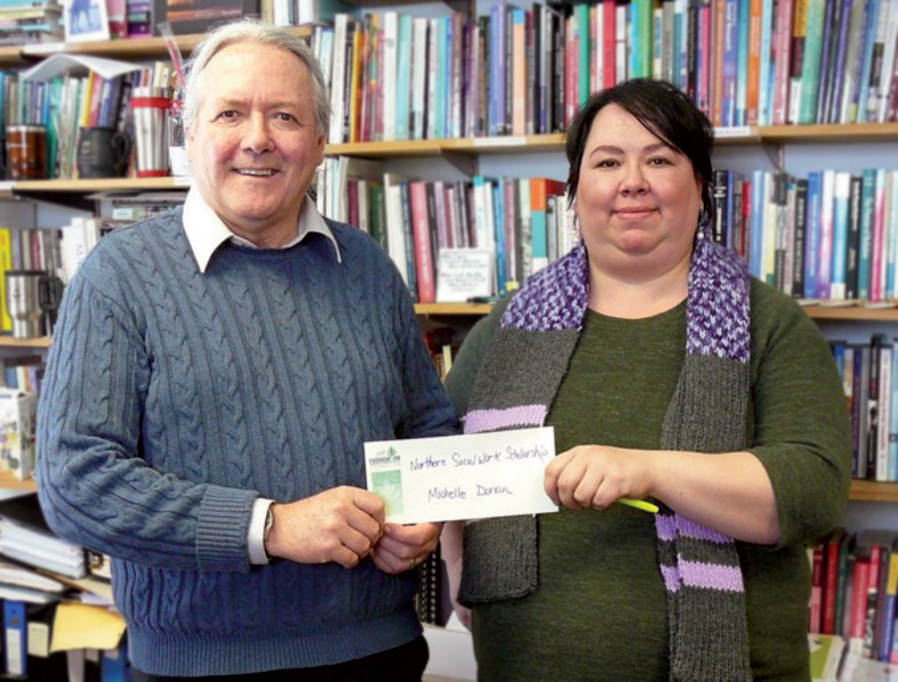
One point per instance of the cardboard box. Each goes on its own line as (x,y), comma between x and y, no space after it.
(18,411)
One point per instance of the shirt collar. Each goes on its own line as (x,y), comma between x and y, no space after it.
(206,231)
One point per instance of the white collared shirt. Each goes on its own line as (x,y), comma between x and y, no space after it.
(206,232)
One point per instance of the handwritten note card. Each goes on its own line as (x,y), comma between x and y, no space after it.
(462,477)
(464,274)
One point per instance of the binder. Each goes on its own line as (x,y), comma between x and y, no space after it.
(114,666)
(15,639)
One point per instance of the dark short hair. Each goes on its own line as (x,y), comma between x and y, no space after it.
(665,111)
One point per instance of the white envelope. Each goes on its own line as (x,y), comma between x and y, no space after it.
(462,477)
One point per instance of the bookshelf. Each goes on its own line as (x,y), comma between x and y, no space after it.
(511,155)
(130,49)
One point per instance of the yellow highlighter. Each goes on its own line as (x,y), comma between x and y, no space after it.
(639,504)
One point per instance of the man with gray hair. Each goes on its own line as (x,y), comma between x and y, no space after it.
(214,375)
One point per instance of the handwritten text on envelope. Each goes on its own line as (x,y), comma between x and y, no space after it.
(462,477)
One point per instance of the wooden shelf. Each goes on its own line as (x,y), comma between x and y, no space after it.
(8,482)
(858,313)
(528,144)
(98,185)
(453,308)
(855,132)
(10,342)
(871,491)
(11,55)
(135,49)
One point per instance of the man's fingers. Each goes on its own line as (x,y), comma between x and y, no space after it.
(356,542)
(360,521)
(369,503)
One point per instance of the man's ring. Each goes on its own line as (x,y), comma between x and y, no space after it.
(412,563)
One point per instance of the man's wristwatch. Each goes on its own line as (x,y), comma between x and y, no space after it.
(269,523)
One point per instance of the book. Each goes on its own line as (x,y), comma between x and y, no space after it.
(826,654)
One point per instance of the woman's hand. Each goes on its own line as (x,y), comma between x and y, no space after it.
(403,548)
(595,476)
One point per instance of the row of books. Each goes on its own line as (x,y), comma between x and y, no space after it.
(68,103)
(521,71)
(870,378)
(35,21)
(854,590)
(523,223)
(831,237)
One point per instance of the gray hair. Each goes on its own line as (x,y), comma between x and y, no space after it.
(252,31)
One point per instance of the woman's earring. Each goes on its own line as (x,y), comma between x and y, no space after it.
(704,220)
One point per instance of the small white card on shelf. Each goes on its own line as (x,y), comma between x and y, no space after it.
(451,478)
(463,274)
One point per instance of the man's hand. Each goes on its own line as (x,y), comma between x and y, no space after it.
(402,548)
(339,525)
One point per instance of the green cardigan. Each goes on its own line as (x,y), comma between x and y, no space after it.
(599,611)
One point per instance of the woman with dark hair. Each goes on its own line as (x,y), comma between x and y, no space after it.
(668,374)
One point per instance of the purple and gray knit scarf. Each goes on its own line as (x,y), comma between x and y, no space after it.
(523,368)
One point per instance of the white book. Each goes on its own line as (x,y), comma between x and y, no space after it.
(419,77)
(391,44)
(622,13)
(431,106)
(789,239)
(841,198)
(825,245)
(598,54)
(888,62)
(667,40)
(326,51)
(337,81)
(282,11)
(885,406)
(395,227)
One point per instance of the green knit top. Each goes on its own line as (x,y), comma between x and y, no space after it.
(599,611)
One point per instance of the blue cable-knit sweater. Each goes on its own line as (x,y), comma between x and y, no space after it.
(173,399)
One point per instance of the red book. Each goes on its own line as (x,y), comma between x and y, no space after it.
(859,603)
(831,577)
(423,247)
(609,43)
(783,44)
(816,590)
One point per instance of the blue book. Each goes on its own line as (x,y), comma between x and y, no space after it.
(756,234)
(442,78)
(683,12)
(114,665)
(834,115)
(403,77)
(411,269)
(812,234)
(869,38)
(585,57)
(730,63)
(499,213)
(765,100)
(742,70)
(497,70)
(15,626)
(678,37)
(865,253)
(833,8)
(893,418)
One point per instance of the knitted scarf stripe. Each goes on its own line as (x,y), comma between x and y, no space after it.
(700,567)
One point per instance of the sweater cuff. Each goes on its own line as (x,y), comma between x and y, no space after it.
(222,528)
